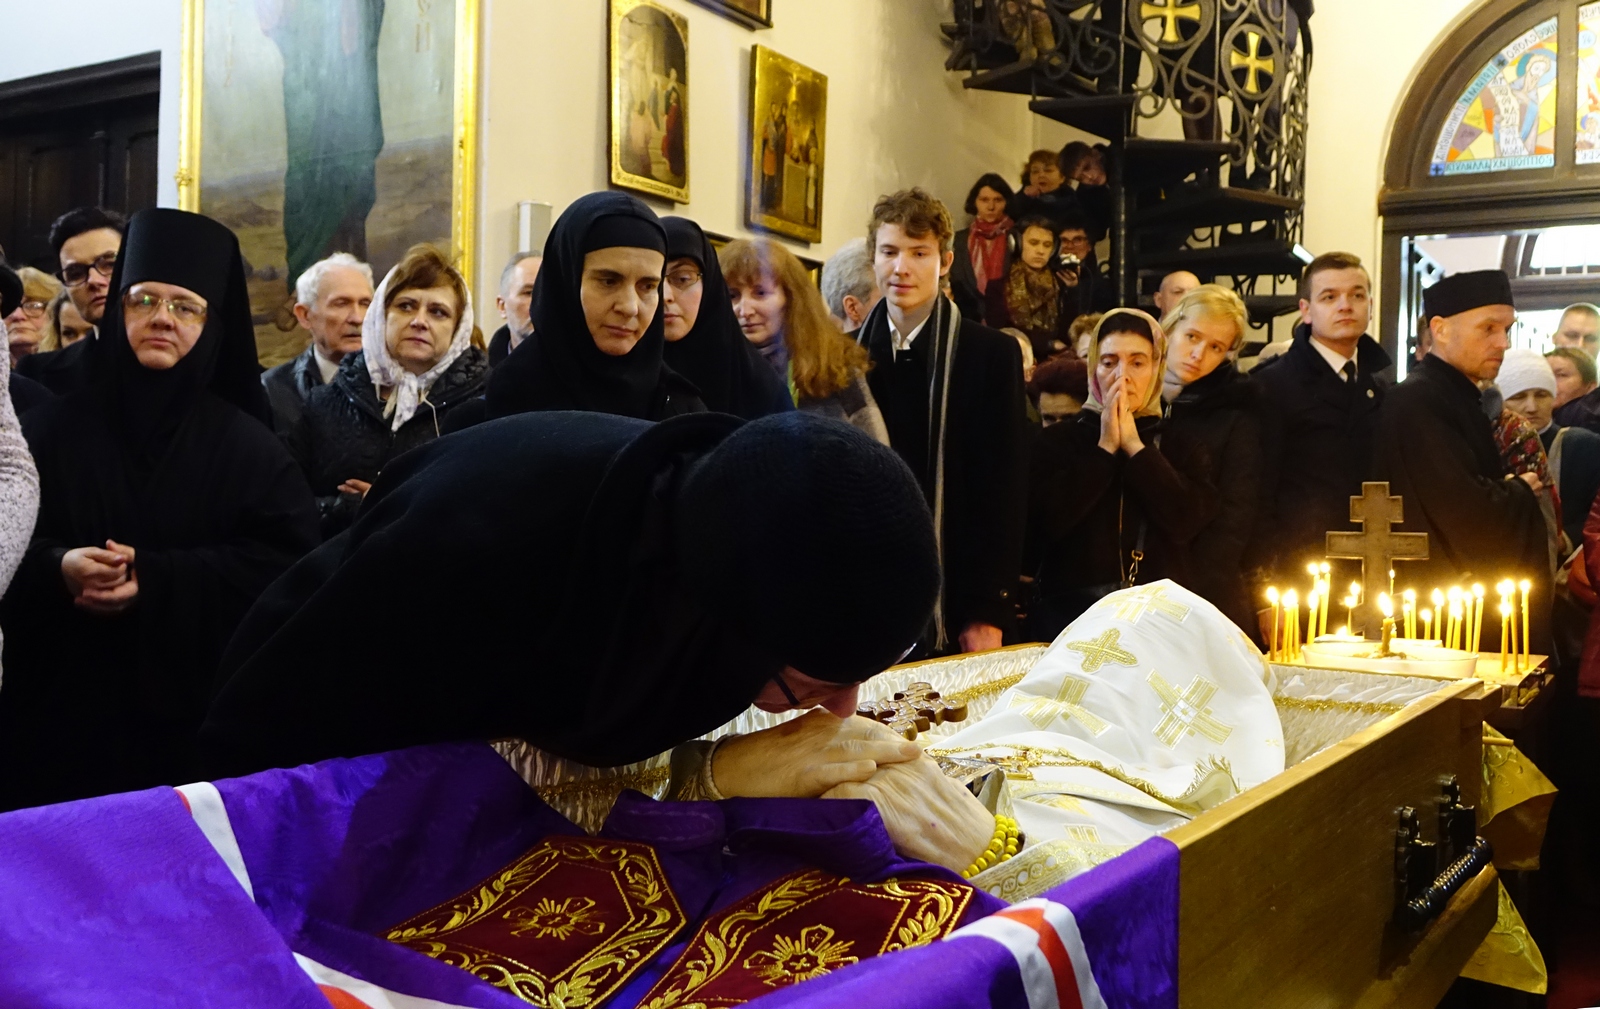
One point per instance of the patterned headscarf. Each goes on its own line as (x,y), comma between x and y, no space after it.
(410,391)
(1111,325)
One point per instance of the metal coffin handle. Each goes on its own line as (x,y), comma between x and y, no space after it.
(1427,873)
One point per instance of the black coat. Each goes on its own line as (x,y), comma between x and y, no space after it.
(964,281)
(342,433)
(1090,509)
(1582,412)
(1318,446)
(985,482)
(499,346)
(1437,450)
(61,371)
(95,704)
(288,385)
(1222,412)
(27,394)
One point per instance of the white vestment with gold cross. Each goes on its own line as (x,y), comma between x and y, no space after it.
(1149,709)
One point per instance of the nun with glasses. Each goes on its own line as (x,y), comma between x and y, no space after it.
(167,506)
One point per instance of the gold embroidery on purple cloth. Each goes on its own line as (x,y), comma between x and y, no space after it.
(562,927)
(803,927)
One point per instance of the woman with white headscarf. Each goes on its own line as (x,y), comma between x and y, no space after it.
(1115,501)
(418,363)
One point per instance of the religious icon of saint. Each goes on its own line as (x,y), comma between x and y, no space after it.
(1527,89)
(672,142)
(774,141)
(333,146)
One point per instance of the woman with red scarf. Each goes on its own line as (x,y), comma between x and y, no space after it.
(981,257)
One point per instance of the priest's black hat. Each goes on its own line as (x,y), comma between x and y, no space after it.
(1463,292)
(816,541)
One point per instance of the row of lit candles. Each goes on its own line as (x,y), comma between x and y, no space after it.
(1455,620)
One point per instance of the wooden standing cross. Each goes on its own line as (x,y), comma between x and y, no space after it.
(1377,546)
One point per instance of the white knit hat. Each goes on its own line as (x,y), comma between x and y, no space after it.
(1525,369)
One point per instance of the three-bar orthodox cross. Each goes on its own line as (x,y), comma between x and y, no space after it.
(1377,546)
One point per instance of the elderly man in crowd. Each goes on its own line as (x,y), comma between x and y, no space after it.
(515,301)
(1173,287)
(849,285)
(331,300)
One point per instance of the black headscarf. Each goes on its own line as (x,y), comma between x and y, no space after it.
(642,609)
(559,367)
(194,252)
(729,372)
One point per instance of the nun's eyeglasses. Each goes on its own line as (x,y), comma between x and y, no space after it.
(74,274)
(682,280)
(140,307)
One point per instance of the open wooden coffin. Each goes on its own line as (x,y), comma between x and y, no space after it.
(1291,893)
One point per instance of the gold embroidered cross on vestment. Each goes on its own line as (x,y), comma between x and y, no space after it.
(1186,713)
(1105,648)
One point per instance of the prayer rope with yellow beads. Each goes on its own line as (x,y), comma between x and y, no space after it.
(1002,848)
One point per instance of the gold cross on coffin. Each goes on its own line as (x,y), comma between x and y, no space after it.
(1377,546)
(1254,63)
(1105,648)
(1169,13)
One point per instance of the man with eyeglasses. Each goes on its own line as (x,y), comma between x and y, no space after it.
(86,241)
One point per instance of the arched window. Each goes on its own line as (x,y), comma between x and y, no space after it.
(1496,146)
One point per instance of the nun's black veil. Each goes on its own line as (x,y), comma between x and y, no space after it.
(730,373)
(194,252)
(559,367)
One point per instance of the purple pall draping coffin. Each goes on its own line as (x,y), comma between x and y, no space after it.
(365,883)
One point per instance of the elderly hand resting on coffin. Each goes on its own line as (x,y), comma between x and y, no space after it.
(930,817)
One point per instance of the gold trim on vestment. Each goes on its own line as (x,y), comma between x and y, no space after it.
(1021,764)
(1350,707)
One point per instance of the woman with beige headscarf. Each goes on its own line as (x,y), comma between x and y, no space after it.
(1115,501)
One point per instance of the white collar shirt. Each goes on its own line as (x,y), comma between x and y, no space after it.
(1335,360)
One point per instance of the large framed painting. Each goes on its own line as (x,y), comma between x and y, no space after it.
(750,13)
(788,115)
(311,127)
(650,99)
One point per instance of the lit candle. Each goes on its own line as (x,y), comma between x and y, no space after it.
(1505,632)
(1411,613)
(1527,640)
(1477,619)
(1349,614)
(1452,638)
(1291,607)
(1427,623)
(1386,607)
(1391,581)
(1277,611)
(1313,607)
(1326,593)
(1438,609)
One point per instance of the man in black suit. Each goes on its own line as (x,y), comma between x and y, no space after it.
(951,393)
(1322,398)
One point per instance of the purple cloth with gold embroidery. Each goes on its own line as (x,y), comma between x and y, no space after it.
(122,900)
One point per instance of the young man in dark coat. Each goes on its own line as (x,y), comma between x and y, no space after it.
(87,241)
(1437,450)
(331,299)
(951,393)
(1321,399)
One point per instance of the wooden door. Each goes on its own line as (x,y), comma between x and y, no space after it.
(82,136)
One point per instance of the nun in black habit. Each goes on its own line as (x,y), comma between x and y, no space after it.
(591,584)
(167,505)
(727,369)
(562,366)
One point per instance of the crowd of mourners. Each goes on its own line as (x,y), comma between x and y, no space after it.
(1063,446)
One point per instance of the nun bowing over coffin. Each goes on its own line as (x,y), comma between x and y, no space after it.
(167,506)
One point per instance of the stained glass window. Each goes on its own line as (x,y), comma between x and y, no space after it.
(1589,84)
(1506,118)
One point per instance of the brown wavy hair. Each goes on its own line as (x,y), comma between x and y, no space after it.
(822,360)
(424,266)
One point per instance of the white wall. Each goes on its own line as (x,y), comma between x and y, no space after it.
(43,36)
(1358,79)
(895,117)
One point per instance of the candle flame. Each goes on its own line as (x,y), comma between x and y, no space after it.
(1312,569)
(1526,586)
(1326,568)
(1272,596)
(1505,609)
(1386,605)
(1291,599)
(1438,599)
(1411,596)
(1477,591)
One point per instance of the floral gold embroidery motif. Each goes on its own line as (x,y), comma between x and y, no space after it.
(801,927)
(791,961)
(562,927)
